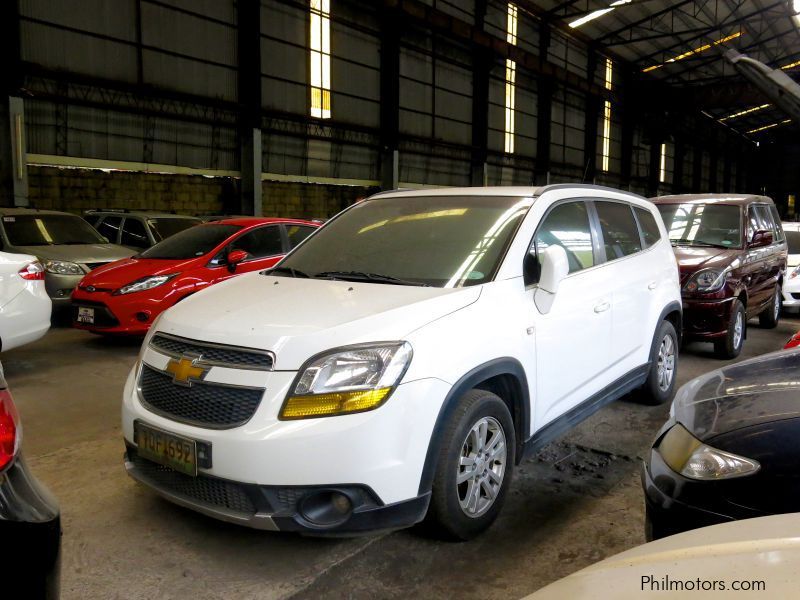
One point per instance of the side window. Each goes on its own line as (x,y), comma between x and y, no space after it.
(134,234)
(261,242)
(620,234)
(647,222)
(297,233)
(92,219)
(567,225)
(773,210)
(109,227)
(754,222)
(765,217)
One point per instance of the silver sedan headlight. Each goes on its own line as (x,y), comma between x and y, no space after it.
(61,267)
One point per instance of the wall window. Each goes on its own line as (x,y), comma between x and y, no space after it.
(320,31)
(609,76)
(511,78)
(662,165)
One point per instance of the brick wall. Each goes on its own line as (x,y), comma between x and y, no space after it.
(76,190)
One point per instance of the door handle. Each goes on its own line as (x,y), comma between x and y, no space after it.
(602,307)
(652,285)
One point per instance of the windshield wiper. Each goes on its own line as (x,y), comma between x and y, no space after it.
(289,270)
(361,276)
(684,242)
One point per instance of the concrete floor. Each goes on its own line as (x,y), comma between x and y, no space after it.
(575,503)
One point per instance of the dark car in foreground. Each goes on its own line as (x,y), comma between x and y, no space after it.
(30,521)
(732,255)
(730,448)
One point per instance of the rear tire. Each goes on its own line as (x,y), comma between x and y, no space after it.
(769,318)
(731,345)
(474,467)
(661,380)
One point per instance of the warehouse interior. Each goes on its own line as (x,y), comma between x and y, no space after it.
(300,109)
(206,107)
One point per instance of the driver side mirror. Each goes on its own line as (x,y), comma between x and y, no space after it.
(555,267)
(761,238)
(234,258)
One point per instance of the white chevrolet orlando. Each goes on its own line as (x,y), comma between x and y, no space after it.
(400,361)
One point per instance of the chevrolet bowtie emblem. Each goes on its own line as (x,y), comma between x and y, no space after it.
(185,370)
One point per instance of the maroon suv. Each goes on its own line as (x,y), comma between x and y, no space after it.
(731,252)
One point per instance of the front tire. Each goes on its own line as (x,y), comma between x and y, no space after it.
(661,379)
(769,318)
(731,345)
(474,467)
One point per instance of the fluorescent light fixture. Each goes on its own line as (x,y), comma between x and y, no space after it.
(741,113)
(698,50)
(770,126)
(597,13)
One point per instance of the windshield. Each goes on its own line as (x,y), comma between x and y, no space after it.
(48,230)
(443,241)
(191,243)
(793,240)
(164,228)
(703,224)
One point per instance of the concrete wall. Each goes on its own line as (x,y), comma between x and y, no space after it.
(77,190)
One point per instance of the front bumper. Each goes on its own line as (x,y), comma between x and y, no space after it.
(675,504)
(272,508)
(791,293)
(59,287)
(382,451)
(706,319)
(30,528)
(130,314)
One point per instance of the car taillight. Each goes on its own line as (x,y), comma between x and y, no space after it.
(32,272)
(9,429)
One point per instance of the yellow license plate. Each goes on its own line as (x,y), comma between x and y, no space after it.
(166,449)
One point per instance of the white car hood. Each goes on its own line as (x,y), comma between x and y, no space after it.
(296,318)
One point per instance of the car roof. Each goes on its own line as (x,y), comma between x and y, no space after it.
(499,190)
(141,213)
(736,199)
(14,211)
(252,221)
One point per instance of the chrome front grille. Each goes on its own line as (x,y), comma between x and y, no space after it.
(203,403)
(220,355)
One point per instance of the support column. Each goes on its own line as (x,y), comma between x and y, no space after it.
(697,170)
(740,172)
(628,125)
(544,109)
(677,169)
(726,171)
(249,85)
(390,100)
(593,105)
(713,180)
(13,162)
(481,69)
(654,167)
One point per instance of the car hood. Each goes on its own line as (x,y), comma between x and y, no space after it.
(761,390)
(122,272)
(766,546)
(793,260)
(692,259)
(79,253)
(297,318)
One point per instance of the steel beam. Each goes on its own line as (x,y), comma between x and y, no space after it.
(544,103)
(390,99)
(248,16)
(13,170)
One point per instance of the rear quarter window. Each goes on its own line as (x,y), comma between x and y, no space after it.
(649,227)
(620,233)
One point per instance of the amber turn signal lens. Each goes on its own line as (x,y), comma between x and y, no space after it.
(327,405)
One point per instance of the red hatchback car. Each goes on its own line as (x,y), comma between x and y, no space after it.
(125,297)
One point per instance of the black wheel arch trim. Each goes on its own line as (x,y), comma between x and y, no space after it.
(520,414)
(672,307)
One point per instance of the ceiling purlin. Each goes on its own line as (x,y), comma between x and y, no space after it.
(629,27)
(756,44)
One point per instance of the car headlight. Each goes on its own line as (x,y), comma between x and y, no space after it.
(145,283)
(347,380)
(60,267)
(707,280)
(690,457)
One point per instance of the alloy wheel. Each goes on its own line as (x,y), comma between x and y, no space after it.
(481,467)
(666,363)
(738,330)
